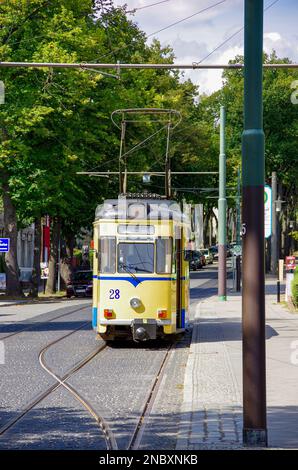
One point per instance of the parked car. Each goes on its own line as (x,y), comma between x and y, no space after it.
(80,284)
(214,251)
(229,251)
(236,250)
(198,260)
(208,255)
(204,262)
(25,276)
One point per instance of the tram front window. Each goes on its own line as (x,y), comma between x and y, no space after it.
(136,257)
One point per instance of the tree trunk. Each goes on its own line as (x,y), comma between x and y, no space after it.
(36,258)
(13,285)
(53,259)
(216,221)
(66,259)
(205,228)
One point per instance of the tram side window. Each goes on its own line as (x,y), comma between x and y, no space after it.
(164,255)
(174,256)
(107,255)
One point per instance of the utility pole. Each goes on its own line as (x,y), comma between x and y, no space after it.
(59,265)
(274,224)
(222,213)
(238,209)
(122,178)
(253,278)
(167,165)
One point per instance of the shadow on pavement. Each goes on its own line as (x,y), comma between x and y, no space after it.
(61,427)
(44,326)
(221,329)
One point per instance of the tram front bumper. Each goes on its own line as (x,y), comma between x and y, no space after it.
(142,331)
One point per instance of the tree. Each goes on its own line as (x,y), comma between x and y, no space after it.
(280,126)
(56,122)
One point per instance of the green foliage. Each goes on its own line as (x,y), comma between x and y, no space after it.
(280,124)
(294,235)
(295,288)
(56,122)
(77,253)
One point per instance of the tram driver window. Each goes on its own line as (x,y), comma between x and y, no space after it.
(136,257)
(164,255)
(107,255)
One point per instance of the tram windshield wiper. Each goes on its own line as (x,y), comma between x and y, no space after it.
(143,270)
(135,267)
(126,269)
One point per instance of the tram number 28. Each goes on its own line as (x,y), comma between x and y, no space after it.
(114,294)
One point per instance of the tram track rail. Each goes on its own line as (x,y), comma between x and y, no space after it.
(138,432)
(100,421)
(35,324)
(109,437)
(135,438)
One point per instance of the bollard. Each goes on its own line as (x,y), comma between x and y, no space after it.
(278,292)
(238,274)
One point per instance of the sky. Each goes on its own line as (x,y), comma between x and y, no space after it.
(194,38)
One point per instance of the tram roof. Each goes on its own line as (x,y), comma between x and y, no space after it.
(139,208)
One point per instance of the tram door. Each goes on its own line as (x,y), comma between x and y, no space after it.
(179,253)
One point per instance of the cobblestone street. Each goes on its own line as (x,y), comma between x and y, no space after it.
(202,381)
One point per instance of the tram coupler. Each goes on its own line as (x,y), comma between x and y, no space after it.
(143,331)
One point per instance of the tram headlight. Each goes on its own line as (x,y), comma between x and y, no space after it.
(135,302)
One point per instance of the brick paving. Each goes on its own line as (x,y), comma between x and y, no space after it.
(211,413)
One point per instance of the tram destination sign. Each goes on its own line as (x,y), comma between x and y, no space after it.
(4,245)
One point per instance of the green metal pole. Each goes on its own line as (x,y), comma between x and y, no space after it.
(274,224)
(253,270)
(222,213)
(238,209)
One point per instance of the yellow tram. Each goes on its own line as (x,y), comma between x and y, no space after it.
(141,269)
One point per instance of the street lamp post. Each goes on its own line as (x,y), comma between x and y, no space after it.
(238,210)
(253,175)
(222,214)
(274,224)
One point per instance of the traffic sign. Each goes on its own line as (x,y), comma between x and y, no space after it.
(44,270)
(268,211)
(290,263)
(4,245)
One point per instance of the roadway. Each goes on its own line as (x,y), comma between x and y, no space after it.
(114,383)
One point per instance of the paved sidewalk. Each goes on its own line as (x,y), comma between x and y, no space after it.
(211,415)
(19,312)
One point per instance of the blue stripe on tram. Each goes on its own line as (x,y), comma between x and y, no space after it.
(134,280)
(94,317)
(183,318)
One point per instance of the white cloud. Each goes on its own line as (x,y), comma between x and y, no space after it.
(272,36)
(195,38)
(283,46)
